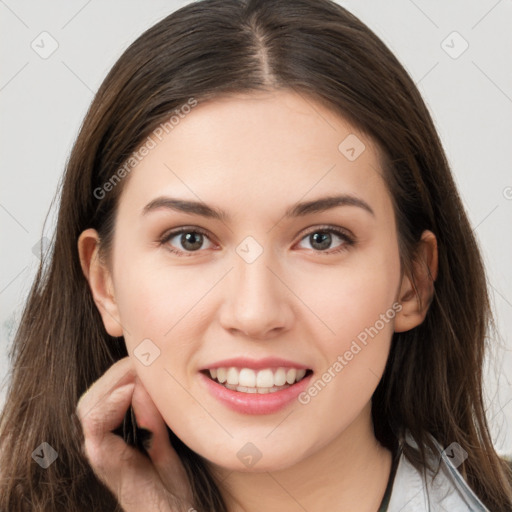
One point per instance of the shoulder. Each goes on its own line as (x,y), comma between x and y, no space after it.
(417,491)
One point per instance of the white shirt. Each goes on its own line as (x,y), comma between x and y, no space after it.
(448,491)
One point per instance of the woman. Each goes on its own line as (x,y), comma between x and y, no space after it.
(261,260)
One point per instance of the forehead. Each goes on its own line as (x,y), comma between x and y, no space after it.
(258,150)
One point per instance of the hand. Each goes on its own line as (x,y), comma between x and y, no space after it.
(154,483)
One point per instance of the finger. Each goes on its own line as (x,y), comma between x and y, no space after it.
(107,413)
(130,475)
(120,373)
(121,467)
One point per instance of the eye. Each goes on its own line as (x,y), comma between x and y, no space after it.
(185,241)
(322,238)
(188,240)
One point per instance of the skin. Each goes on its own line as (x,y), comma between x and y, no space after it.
(254,156)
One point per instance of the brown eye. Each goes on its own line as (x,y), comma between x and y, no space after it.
(322,239)
(191,241)
(185,240)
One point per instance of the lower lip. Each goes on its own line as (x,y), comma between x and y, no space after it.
(255,403)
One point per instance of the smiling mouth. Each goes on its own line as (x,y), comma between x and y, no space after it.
(247,380)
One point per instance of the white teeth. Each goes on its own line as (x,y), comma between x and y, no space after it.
(280,377)
(232,376)
(261,391)
(248,380)
(265,379)
(246,390)
(290,375)
(221,375)
(300,374)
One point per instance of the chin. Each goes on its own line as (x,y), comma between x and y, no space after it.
(250,460)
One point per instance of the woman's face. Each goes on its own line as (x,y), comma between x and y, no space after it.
(266,279)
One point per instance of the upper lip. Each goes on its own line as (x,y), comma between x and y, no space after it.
(255,364)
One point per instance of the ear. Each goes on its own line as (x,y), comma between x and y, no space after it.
(100,281)
(417,291)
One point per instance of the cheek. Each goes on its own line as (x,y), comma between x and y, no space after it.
(159,308)
(351,298)
(356,304)
(155,301)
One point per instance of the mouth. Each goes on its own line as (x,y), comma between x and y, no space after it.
(265,380)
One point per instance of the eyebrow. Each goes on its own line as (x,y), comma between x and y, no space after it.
(296,210)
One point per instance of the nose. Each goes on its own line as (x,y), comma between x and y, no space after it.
(258,302)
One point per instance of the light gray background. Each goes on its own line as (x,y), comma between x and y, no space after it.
(43,101)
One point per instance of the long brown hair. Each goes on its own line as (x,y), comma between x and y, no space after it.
(432,383)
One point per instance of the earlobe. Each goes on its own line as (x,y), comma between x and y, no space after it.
(100,281)
(417,290)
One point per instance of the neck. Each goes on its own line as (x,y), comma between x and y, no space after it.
(350,473)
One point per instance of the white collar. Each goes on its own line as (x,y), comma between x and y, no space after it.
(448,491)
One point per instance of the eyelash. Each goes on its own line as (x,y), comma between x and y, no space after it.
(348,240)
